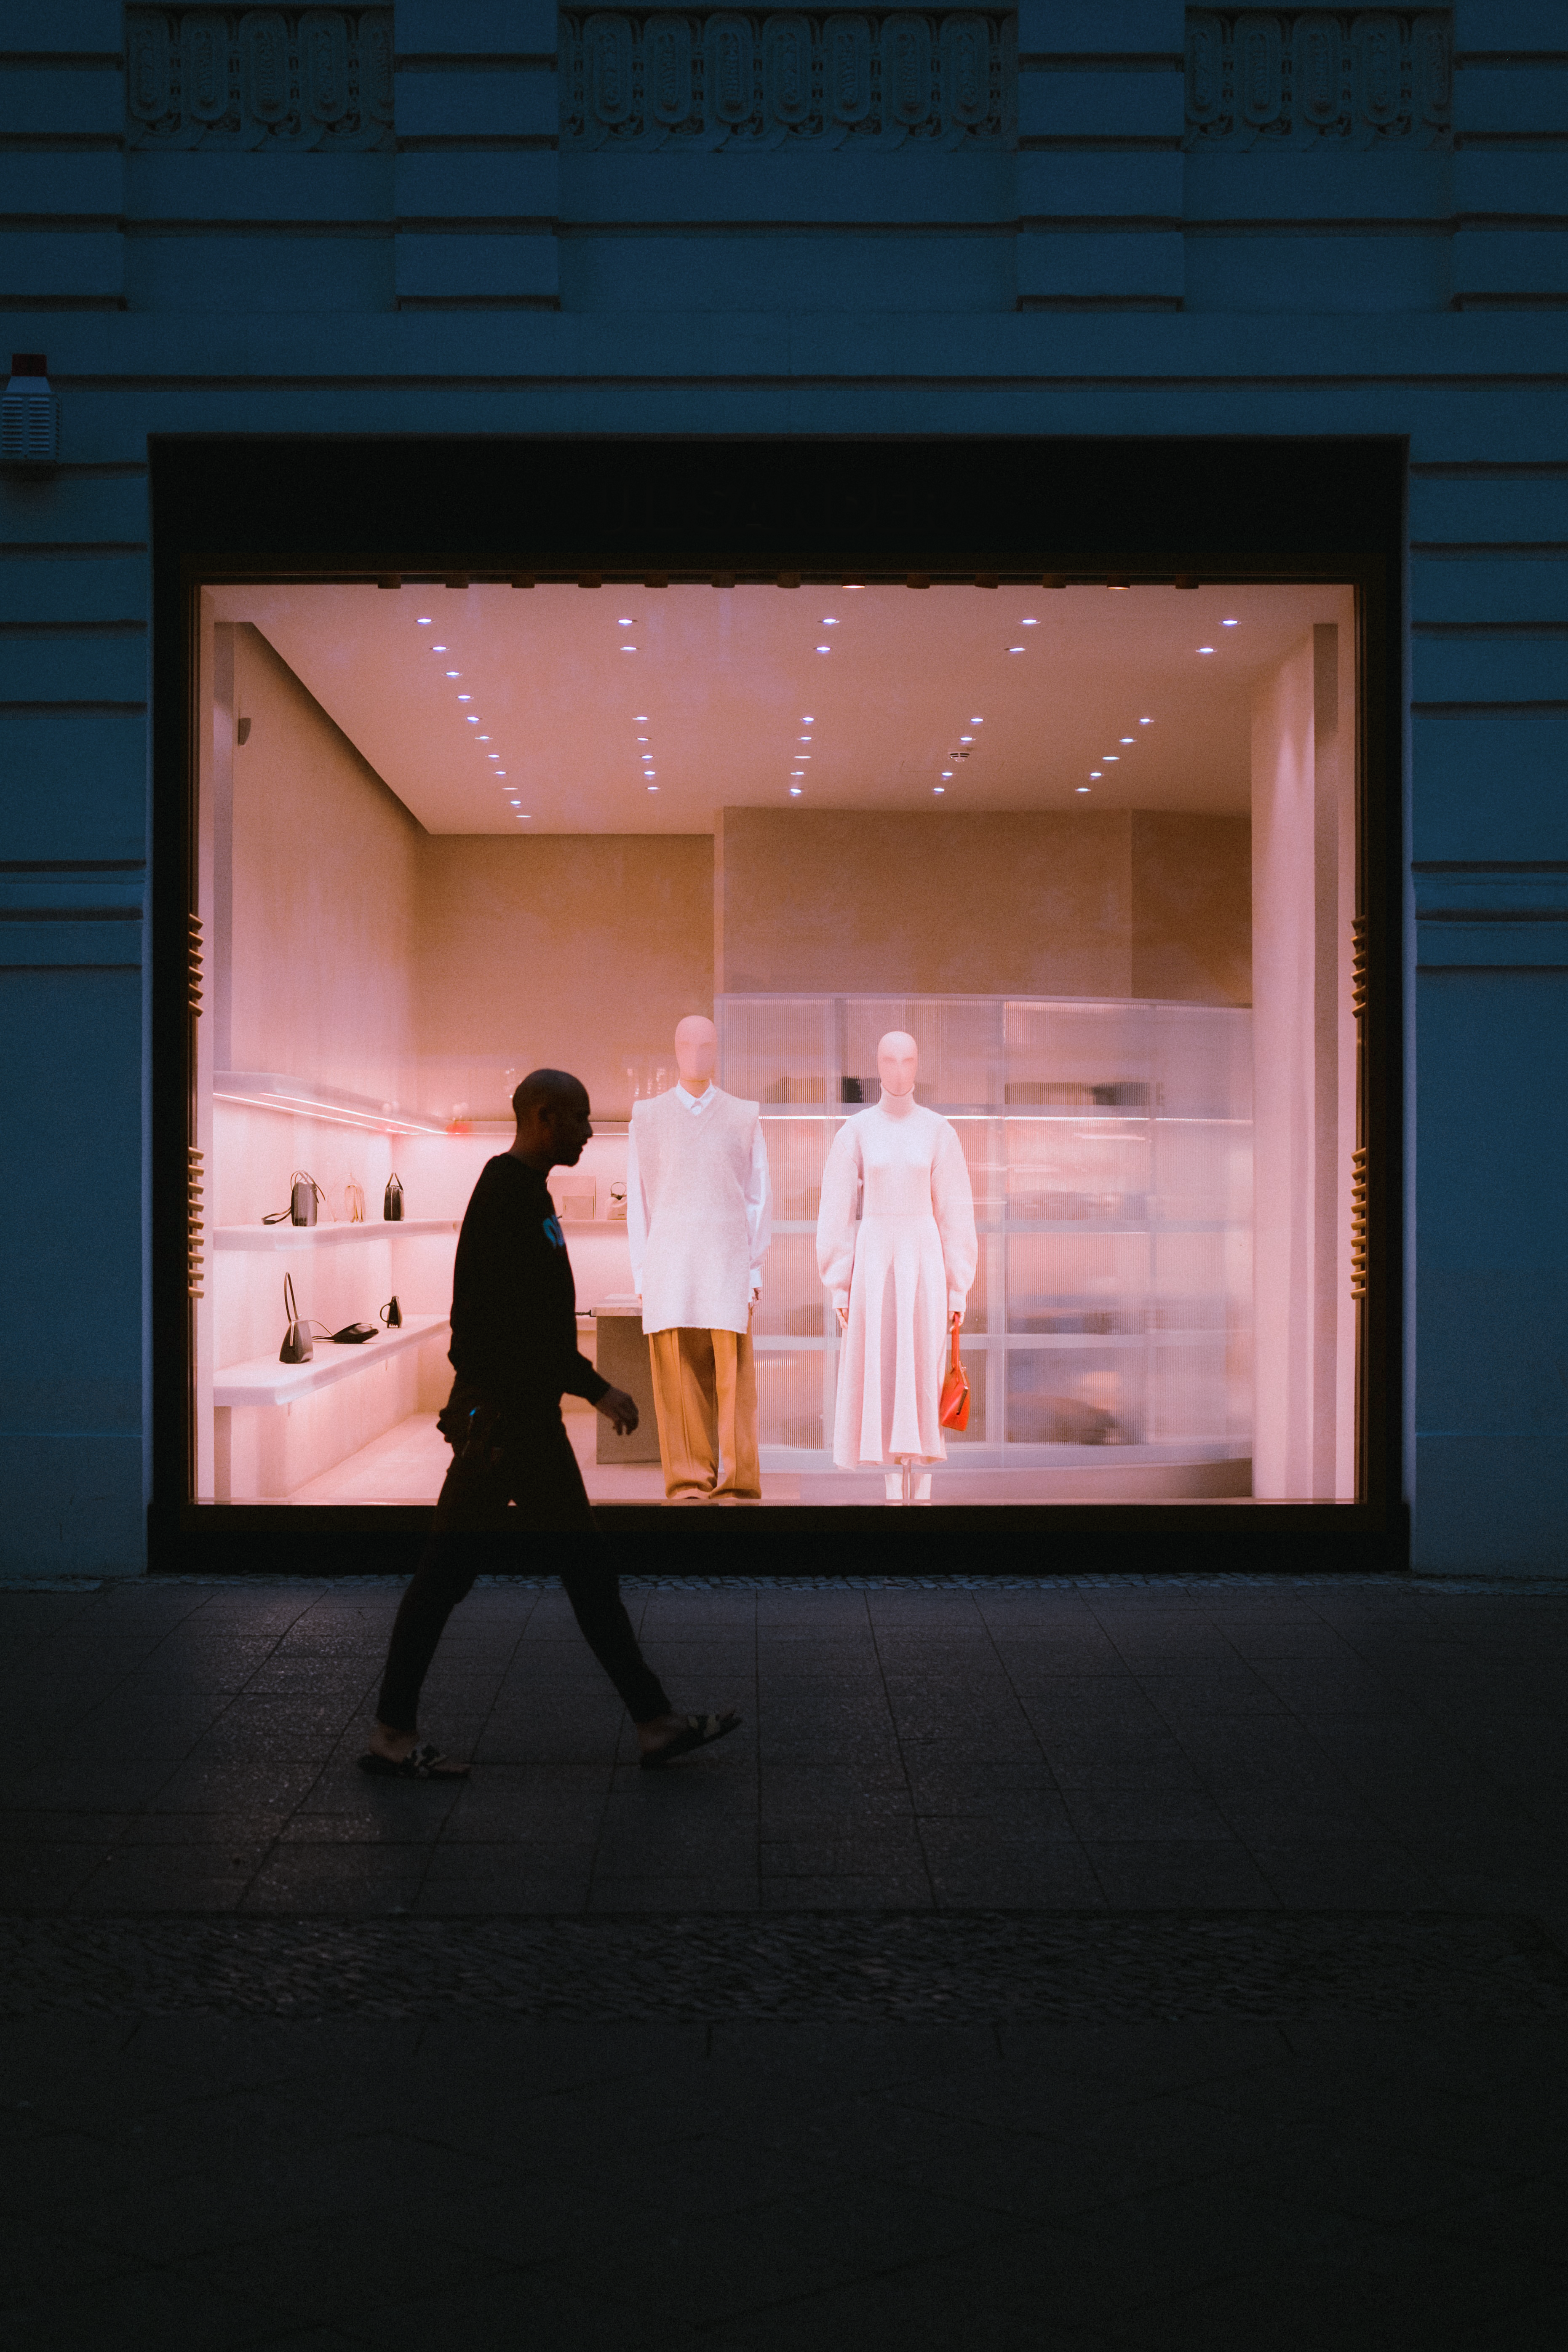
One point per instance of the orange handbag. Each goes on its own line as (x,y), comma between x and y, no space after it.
(954,1409)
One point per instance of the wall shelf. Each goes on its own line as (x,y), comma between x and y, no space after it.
(286,1236)
(266,1381)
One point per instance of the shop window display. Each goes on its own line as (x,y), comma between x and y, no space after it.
(1129,1001)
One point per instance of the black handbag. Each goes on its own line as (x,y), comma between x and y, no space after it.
(303,1194)
(298,1346)
(392,1205)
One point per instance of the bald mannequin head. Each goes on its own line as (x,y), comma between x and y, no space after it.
(551,1107)
(898,1059)
(696,1051)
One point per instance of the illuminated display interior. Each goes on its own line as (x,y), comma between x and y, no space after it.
(1093,849)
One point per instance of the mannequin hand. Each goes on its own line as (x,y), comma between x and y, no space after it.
(619,1409)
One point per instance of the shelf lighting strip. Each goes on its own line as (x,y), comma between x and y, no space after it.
(376,1122)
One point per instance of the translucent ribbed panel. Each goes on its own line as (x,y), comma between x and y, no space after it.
(1072,1171)
(777,1049)
(789,1398)
(797,1148)
(1089,1395)
(1110,1148)
(1073,1284)
(793,1302)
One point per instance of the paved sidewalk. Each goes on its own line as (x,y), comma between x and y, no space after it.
(1316,1745)
(1079,1966)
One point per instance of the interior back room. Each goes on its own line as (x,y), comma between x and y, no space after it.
(1095,849)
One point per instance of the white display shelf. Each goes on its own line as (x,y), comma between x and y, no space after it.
(266,1381)
(286,1236)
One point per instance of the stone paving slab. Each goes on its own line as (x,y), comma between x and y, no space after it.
(1092,1965)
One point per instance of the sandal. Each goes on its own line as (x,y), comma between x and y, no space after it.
(425,1762)
(700,1732)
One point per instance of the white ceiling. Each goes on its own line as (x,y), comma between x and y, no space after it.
(731,681)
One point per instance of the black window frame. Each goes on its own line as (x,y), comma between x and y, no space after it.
(992,508)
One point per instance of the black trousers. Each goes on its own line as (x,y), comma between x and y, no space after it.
(512,1500)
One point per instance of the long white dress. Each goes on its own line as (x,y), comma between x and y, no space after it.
(896,1244)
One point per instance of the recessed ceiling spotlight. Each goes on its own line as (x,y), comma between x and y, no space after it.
(439,649)
(1111,758)
(625,622)
(653,788)
(938,790)
(1015,649)
(481,739)
(628,649)
(639,718)
(852,587)
(805,738)
(1146,722)
(1081,788)
(649,772)
(795,792)
(829,621)
(1028,625)
(1205,649)
(454,673)
(977,722)
(500,771)
(947,774)
(797,772)
(1125,738)
(423,622)
(825,649)
(1230,625)
(471,719)
(1094,775)
(492,755)
(966,738)
(515,804)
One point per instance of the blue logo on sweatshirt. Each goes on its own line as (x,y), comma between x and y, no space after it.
(552,1232)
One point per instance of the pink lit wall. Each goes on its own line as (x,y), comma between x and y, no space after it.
(1304,1075)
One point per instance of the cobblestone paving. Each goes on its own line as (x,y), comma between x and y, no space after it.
(1088,1965)
(981,1967)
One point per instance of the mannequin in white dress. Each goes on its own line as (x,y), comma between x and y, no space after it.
(897,1249)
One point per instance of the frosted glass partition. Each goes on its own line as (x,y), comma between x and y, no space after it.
(1110,1145)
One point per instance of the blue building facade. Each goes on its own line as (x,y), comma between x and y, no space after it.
(1259,253)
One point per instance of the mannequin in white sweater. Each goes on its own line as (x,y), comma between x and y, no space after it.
(699,1219)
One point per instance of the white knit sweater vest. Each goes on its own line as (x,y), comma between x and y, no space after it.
(694,1167)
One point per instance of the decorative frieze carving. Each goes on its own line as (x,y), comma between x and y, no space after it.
(314,78)
(725,79)
(1374,78)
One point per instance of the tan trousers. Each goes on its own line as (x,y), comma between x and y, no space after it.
(705,1395)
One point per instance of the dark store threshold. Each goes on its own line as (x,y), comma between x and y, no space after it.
(819,1539)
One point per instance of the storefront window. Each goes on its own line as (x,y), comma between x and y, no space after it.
(1094,851)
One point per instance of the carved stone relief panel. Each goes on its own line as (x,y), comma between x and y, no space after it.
(725,79)
(1376,77)
(295,78)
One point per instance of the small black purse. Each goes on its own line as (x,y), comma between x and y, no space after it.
(303,1194)
(391,1203)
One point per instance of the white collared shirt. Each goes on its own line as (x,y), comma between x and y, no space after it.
(759,1196)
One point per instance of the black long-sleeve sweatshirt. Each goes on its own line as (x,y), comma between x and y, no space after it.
(514,1303)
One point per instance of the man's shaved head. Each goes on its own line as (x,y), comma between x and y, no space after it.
(548,1090)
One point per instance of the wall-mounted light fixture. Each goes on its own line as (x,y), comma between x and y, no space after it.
(29,413)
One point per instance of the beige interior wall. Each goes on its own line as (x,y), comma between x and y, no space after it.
(321,964)
(573,951)
(1191,907)
(1089,904)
